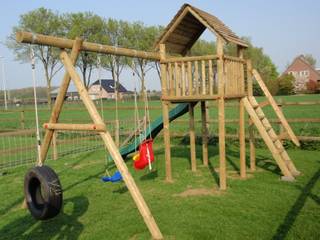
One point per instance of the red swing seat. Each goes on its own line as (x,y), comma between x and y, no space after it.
(145,154)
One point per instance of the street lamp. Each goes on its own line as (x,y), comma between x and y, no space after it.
(4,84)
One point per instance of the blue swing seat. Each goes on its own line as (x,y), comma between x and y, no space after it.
(116,177)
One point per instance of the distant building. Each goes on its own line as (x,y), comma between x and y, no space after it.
(107,90)
(72,94)
(306,77)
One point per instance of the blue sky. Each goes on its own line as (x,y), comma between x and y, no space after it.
(283,28)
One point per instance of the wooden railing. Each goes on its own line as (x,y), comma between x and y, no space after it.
(194,78)
(234,76)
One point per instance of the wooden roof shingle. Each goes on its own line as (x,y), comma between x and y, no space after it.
(187,26)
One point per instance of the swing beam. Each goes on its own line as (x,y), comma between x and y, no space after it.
(63,43)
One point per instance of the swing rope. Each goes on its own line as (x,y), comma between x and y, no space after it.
(32,60)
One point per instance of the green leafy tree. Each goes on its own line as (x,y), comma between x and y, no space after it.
(203,47)
(42,21)
(89,27)
(311,60)
(116,35)
(141,37)
(286,85)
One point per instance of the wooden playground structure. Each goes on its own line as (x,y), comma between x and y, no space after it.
(184,79)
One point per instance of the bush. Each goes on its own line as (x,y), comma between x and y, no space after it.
(286,85)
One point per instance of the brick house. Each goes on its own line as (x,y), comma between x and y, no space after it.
(306,77)
(107,90)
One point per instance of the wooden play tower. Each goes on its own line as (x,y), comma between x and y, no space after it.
(184,79)
(217,77)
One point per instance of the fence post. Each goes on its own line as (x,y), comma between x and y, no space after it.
(54,146)
(22,120)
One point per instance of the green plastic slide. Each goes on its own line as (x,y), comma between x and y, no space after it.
(154,129)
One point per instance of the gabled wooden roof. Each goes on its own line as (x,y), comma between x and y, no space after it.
(187,26)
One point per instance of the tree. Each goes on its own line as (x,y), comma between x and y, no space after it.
(203,47)
(116,33)
(89,27)
(141,37)
(311,60)
(42,21)
(286,85)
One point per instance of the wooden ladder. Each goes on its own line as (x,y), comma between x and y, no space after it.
(271,139)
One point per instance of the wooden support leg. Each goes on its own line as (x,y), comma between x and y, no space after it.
(222,147)
(166,136)
(242,140)
(113,150)
(252,146)
(204,134)
(59,102)
(192,139)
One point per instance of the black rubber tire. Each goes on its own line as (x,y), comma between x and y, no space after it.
(43,192)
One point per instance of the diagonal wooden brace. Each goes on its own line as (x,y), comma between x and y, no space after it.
(113,150)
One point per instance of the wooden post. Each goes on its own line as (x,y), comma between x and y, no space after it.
(204,133)
(165,115)
(183,78)
(203,77)
(242,134)
(113,150)
(196,82)
(22,119)
(281,128)
(190,85)
(192,138)
(54,146)
(59,102)
(221,92)
(251,125)
(242,139)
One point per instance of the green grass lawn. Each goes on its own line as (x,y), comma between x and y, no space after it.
(260,207)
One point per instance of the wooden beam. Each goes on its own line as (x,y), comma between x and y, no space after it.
(221,110)
(64,43)
(75,127)
(165,115)
(242,139)
(252,140)
(113,150)
(192,138)
(242,133)
(77,44)
(196,98)
(205,158)
(189,59)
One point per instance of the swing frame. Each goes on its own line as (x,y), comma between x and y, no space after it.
(69,60)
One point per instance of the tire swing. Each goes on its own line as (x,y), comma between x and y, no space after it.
(42,188)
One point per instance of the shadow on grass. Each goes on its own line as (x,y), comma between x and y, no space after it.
(64,226)
(11,205)
(150,175)
(291,216)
